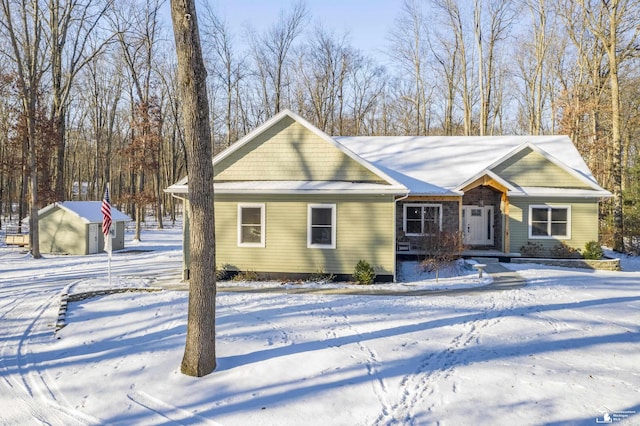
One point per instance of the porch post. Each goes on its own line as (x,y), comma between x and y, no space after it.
(504,206)
(460,217)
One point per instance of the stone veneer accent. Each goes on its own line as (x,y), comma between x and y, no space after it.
(603,264)
(450,218)
(487,197)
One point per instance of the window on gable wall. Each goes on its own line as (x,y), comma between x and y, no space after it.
(549,222)
(251,222)
(422,219)
(321,226)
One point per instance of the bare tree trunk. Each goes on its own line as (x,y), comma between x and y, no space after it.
(199,355)
(138,45)
(453,15)
(606,20)
(618,227)
(477,20)
(73,23)
(25,39)
(34,234)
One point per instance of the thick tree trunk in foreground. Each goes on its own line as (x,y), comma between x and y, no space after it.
(199,355)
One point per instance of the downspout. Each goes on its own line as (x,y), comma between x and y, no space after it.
(185,238)
(395,236)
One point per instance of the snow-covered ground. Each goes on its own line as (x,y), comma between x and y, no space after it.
(565,349)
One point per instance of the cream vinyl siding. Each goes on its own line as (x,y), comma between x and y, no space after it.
(289,151)
(529,168)
(63,232)
(584,222)
(364,230)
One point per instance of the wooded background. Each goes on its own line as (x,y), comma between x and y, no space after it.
(88,90)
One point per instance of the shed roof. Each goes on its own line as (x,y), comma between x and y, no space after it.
(89,211)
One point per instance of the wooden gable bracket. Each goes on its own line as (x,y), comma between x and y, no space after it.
(485,180)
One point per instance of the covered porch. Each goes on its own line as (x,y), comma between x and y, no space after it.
(480,215)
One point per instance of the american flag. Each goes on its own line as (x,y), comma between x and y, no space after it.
(106,212)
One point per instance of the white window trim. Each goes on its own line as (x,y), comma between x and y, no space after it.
(262,208)
(310,208)
(549,209)
(404,216)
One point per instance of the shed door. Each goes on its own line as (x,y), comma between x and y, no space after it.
(94,229)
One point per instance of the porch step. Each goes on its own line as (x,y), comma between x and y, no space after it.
(486,259)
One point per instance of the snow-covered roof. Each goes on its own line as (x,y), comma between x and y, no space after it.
(558,192)
(89,211)
(292,187)
(295,187)
(423,165)
(438,165)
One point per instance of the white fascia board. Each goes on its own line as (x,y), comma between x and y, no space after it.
(332,191)
(568,169)
(177,189)
(560,193)
(355,157)
(581,177)
(47,208)
(182,181)
(492,175)
(302,191)
(181,185)
(251,135)
(267,124)
(452,193)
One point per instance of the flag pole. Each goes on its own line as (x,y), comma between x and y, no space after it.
(109,264)
(106,228)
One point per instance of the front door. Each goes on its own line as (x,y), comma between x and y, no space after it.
(93,237)
(477,225)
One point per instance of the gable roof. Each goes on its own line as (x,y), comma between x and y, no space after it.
(443,165)
(581,173)
(88,211)
(420,165)
(386,185)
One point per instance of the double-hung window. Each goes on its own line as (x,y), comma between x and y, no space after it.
(251,225)
(321,226)
(422,219)
(550,222)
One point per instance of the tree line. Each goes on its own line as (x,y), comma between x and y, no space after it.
(89,91)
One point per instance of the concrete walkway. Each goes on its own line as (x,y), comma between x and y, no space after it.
(503,279)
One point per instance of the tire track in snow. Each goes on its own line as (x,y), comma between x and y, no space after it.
(167,412)
(32,390)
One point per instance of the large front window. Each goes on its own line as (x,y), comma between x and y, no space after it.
(321,231)
(422,219)
(251,219)
(549,222)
